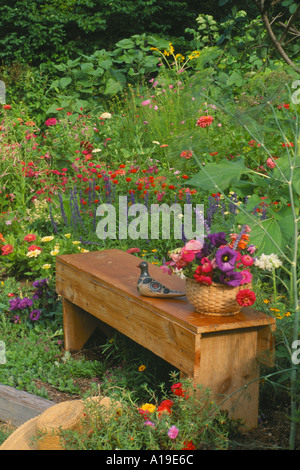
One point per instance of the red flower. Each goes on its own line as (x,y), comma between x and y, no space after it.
(186,154)
(165,406)
(188,445)
(34,247)
(205,121)
(245,297)
(30,237)
(133,250)
(7,106)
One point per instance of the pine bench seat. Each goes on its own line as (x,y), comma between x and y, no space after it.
(222,353)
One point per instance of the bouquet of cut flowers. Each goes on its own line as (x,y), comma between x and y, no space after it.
(217,260)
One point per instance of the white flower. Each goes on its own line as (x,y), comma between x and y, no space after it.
(33,254)
(268,262)
(105,116)
(54,252)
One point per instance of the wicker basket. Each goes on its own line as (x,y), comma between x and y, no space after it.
(216,299)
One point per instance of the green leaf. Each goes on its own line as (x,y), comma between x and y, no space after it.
(112,87)
(125,44)
(65,81)
(260,238)
(221,176)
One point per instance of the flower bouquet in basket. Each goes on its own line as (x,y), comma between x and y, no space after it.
(217,272)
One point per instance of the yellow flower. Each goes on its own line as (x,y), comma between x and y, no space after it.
(75,242)
(54,252)
(142,367)
(179,57)
(266,301)
(82,250)
(67,235)
(148,407)
(47,239)
(46,266)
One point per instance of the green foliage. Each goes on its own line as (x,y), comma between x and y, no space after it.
(186,419)
(35,355)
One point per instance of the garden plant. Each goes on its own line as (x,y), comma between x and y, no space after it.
(210,118)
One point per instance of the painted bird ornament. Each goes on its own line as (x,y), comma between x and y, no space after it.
(149,287)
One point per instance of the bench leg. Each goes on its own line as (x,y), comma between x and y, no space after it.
(78,326)
(228,367)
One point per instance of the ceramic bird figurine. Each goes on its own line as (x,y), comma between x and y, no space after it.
(149,287)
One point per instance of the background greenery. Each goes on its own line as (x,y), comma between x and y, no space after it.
(72,61)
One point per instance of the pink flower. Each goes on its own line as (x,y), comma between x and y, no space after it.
(247,276)
(194,245)
(270,163)
(146,103)
(187,255)
(7,249)
(251,249)
(247,260)
(51,122)
(205,121)
(173,432)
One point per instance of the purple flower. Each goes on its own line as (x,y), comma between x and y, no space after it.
(217,239)
(14,304)
(40,283)
(231,278)
(149,423)
(226,258)
(35,314)
(26,302)
(173,432)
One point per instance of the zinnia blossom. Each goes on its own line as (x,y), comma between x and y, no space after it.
(245,297)
(247,276)
(247,260)
(51,122)
(47,239)
(194,245)
(7,249)
(30,237)
(33,254)
(187,255)
(205,121)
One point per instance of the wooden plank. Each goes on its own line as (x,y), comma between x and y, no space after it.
(163,337)
(116,272)
(228,366)
(17,407)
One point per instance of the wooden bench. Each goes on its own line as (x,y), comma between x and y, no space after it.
(222,353)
